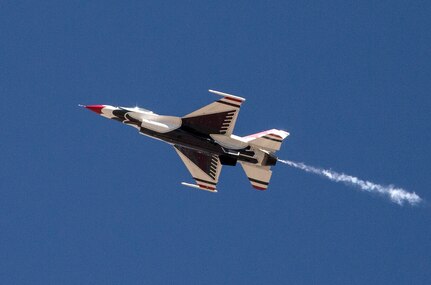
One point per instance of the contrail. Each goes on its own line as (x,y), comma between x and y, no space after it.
(397,195)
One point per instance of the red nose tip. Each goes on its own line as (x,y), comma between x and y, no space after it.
(95,108)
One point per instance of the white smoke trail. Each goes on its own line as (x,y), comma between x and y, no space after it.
(397,195)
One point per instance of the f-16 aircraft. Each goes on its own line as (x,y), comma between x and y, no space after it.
(204,141)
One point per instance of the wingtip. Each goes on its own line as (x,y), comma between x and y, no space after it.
(198,187)
(240,99)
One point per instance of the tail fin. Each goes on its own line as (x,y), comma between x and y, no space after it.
(259,176)
(269,140)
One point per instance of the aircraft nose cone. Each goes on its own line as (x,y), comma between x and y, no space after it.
(95,108)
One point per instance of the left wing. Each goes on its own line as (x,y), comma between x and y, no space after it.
(204,167)
(218,117)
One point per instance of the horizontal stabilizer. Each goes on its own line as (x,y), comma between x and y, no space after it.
(269,140)
(259,176)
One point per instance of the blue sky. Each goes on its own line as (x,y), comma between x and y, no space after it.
(85,200)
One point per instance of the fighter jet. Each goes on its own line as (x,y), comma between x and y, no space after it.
(204,141)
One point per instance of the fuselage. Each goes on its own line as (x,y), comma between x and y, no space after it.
(204,140)
(175,131)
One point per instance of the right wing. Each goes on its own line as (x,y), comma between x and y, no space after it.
(216,118)
(204,167)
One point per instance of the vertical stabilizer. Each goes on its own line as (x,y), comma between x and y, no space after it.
(269,140)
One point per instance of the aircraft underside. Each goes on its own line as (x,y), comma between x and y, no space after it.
(204,141)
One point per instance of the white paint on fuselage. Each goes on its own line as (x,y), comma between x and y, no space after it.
(107,111)
(229,142)
(161,124)
(150,120)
